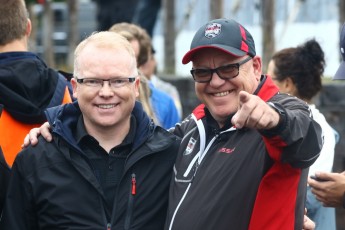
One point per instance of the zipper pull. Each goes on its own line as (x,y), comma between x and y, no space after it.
(134,182)
(108,226)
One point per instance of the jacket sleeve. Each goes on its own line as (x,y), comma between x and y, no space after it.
(18,213)
(298,140)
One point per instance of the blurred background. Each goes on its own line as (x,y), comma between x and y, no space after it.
(58,26)
(274,24)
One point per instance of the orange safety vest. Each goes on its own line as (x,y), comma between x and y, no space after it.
(13,132)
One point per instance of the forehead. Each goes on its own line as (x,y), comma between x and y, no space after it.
(105,61)
(211,55)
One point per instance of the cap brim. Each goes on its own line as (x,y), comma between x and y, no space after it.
(340,74)
(230,50)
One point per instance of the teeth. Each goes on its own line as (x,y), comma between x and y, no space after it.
(221,94)
(106,106)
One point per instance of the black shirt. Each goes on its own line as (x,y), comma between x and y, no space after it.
(107,167)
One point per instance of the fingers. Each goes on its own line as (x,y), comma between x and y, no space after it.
(242,118)
(243,97)
(32,136)
(45,132)
(324,176)
(253,112)
(27,142)
(308,224)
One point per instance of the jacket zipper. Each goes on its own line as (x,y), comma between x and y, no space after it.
(133,192)
(134,183)
(197,163)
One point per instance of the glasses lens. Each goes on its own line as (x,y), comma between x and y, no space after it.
(93,82)
(116,83)
(202,75)
(228,71)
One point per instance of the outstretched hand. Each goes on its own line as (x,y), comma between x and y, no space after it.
(254,113)
(31,137)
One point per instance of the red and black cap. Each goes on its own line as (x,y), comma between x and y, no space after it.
(223,34)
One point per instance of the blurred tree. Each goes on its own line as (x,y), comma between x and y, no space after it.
(169,36)
(268,39)
(48,30)
(73,30)
(341,9)
(216,9)
(33,18)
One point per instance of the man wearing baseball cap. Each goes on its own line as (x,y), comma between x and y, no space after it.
(332,193)
(245,152)
(246,149)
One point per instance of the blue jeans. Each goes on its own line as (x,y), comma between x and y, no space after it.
(323,217)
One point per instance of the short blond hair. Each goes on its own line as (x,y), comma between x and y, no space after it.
(104,39)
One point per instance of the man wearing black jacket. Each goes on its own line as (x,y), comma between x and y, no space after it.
(245,152)
(108,166)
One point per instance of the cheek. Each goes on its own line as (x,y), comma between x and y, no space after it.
(249,84)
(75,93)
(84,94)
(199,90)
(199,87)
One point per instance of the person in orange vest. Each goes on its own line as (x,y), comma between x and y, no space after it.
(27,85)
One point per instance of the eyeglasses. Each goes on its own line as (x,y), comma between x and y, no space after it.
(113,82)
(224,72)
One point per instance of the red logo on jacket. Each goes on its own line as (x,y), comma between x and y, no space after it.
(226,150)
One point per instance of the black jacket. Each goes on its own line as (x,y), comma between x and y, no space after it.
(244,178)
(54,187)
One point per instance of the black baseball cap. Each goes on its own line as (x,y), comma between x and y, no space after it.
(340,74)
(223,34)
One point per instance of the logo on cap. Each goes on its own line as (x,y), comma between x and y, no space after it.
(212,30)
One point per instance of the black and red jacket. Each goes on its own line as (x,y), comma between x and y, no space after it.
(244,178)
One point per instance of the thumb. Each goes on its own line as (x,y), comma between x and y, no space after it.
(323,175)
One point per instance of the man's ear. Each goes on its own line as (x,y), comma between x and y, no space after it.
(28,28)
(136,86)
(74,87)
(257,65)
